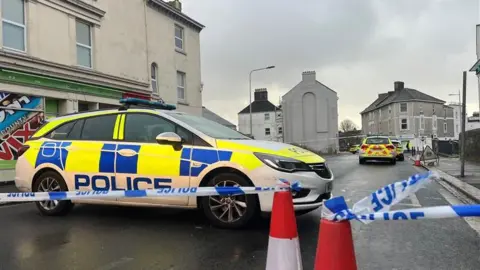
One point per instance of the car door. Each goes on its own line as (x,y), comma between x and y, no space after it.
(142,163)
(91,154)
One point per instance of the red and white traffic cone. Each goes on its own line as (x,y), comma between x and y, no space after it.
(283,246)
(417,161)
(335,250)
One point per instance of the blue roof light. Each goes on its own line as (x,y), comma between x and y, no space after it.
(147,103)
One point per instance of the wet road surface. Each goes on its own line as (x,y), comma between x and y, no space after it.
(105,237)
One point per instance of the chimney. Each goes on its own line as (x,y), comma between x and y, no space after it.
(176,4)
(309,76)
(398,85)
(260,94)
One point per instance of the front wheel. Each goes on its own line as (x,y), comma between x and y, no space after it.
(230,212)
(52,181)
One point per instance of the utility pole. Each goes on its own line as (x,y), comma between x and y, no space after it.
(462,153)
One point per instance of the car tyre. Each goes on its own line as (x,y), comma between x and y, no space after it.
(393,161)
(402,158)
(230,212)
(361,161)
(52,181)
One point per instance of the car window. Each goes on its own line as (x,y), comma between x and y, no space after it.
(61,132)
(76,132)
(99,128)
(377,141)
(145,127)
(208,127)
(395,143)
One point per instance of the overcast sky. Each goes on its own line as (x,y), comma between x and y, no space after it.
(358,48)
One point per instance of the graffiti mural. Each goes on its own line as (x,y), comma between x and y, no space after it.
(20,117)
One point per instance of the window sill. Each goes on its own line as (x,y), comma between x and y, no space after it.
(83,67)
(180,51)
(6,49)
(183,102)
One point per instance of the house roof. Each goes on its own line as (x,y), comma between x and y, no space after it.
(215,117)
(260,106)
(176,14)
(405,94)
(316,82)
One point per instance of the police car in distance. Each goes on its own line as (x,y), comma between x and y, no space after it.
(149,145)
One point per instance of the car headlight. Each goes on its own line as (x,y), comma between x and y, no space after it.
(284,164)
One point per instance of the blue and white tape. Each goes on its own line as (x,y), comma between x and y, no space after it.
(381,200)
(163,192)
(426,213)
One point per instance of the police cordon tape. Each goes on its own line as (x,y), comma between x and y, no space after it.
(283,185)
(377,205)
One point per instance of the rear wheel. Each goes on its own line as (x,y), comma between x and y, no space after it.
(230,212)
(361,161)
(393,161)
(402,158)
(52,181)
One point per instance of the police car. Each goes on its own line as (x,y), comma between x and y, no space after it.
(149,145)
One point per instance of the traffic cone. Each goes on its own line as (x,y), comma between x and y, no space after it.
(283,246)
(417,161)
(335,250)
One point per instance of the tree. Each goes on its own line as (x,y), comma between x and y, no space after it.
(347,125)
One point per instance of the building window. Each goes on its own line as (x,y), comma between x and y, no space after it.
(267,116)
(267,131)
(422,122)
(84,44)
(181,85)
(389,110)
(179,34)
(445,127)
(13,24)
(434,122)
(403,107)
(154,76)
(404,124)
(380,114)
(445,113)
(458,131)
(456,114)
(280,130)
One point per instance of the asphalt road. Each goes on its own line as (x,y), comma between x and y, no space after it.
(102,237)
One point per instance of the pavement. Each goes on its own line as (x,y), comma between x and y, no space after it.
(451,166)
(105,237)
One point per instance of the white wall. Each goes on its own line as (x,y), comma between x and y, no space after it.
(123,47)
(310,112)
(259,124)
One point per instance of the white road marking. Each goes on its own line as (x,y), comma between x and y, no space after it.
(414,200)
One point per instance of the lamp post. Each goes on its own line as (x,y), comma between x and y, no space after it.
(250,93)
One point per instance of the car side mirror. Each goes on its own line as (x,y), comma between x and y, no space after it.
(168,138)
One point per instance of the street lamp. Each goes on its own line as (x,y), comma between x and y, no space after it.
(250,93)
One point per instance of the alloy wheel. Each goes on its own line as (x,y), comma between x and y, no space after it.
(46,185)
(228,208)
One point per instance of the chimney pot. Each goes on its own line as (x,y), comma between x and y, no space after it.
(398,85)
(260,94)
(309,76)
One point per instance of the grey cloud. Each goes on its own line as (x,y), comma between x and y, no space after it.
(357,47)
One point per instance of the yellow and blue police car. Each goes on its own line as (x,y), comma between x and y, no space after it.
(150,145)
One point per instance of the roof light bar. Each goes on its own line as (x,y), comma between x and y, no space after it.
(147,103)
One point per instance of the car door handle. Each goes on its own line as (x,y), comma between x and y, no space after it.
(127,152)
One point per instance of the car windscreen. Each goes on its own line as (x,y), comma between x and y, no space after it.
(377,141)
(208,127)
(395,143)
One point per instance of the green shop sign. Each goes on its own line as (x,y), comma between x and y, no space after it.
(15,77)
